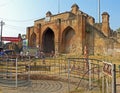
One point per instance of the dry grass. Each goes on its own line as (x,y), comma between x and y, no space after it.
(114,60)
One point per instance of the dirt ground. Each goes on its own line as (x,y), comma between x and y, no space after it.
(40,86)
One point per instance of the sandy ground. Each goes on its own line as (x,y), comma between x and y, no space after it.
(41,86)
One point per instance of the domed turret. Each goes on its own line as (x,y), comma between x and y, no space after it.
(105,24)
(48,14)
(75,8)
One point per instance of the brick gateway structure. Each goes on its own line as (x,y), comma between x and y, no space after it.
(70,31)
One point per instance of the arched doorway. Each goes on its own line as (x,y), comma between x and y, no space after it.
(48,44)
(68,39)
(33,40)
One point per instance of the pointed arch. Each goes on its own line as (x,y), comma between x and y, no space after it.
(68,37)
(33,40)
(48,43)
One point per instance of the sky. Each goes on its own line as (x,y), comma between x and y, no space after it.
(20,14)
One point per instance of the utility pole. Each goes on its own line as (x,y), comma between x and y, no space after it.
(99,11)
(1,24)
(58,6)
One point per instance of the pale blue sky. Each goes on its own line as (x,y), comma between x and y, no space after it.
(19,14)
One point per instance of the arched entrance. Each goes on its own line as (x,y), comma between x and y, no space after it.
(33,40)
(68,40)
(48,41)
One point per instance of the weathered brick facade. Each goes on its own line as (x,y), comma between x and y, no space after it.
(70,32)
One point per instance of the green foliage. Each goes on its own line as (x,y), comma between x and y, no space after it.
(118,30)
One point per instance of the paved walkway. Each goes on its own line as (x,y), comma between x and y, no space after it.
(40,86)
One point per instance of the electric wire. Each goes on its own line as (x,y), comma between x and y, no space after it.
(6,3)
(13,20)
(15,28)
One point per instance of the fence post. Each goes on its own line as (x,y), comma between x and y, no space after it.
(68,76)
(29,71)
(114,78)
(89,63)
(103,84)
(16,72)
(119,69)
